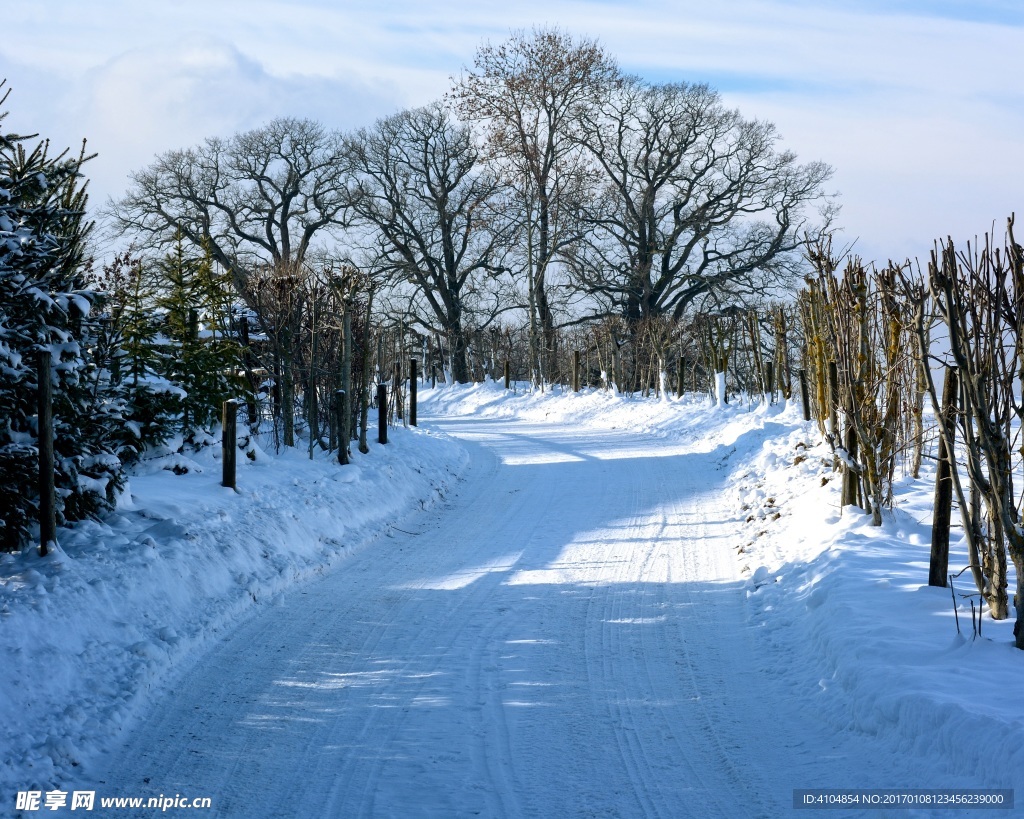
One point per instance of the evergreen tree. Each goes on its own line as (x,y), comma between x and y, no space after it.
(45,304)
(137,353)
(203,357)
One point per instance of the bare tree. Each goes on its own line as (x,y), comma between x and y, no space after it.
(528,93)
(257,202)
(868,325)
(695,203)
(431,209)
(261,197)
(979,296)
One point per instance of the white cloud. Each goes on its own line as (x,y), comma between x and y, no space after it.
(145,101)
(920,113)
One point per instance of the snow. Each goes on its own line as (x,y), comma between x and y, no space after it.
(89,634)
(621,607)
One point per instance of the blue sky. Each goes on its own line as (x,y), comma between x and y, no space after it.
(919,105)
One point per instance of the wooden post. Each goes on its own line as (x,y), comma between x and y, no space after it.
(939,562)
(851,480)
(805,400)
(229,442)
(833,401)
(508,375)
(382,413)
(412,391)
(575,370)
(396,392)
(341,417)
(47,490)
(769,387)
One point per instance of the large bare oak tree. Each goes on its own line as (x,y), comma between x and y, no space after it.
(431,208)
(257,202)
(528,93)
(695,203)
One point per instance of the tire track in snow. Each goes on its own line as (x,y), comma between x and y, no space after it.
(613,661)
(454,625)
(493,747)
(717,652)
(635,675)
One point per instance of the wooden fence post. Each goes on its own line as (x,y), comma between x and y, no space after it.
(382,413)
(396,392)
(833,402)
(803,394)
(229,442)
(412,391)
(344,433)
(508,375)
(851,480)
(47,491)
(939,562)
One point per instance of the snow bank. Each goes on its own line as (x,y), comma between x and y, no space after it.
(846,611)
(124,604)
(602,409)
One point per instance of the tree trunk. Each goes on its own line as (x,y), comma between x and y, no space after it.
(917,419)
(364,398)
(850,478)
(460,365)
(345,431)
(287,388)
(994,564)
(938,566)
(544,314)
(1018,598)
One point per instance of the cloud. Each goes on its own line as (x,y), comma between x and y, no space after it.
(143,102)
(917,103)
(921,115)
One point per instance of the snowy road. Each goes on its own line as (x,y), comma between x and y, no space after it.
(567,637)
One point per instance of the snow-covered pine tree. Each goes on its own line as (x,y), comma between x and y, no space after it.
(136,353)
(45,304)
(204,358)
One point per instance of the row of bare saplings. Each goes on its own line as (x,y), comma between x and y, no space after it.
(651,357)
(658,356)
(875,344)
(314,347)
(323,352)
(308,345)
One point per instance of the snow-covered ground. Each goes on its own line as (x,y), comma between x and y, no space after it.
(93,633)
(623,608)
